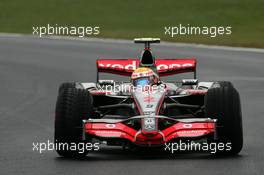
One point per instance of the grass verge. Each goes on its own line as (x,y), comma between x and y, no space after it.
(141,18)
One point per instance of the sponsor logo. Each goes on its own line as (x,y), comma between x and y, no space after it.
(133,65)
(191,132)
(191,91)
(149,99)
(108,132)
(110,126)
(173,66)
(187,125)
(149,106)
(149,124)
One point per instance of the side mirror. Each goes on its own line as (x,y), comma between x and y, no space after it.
(106,82)
(189,82)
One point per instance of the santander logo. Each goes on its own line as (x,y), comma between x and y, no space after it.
(130,65)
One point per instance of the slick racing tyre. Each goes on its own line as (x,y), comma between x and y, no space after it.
(73,105)
(67,85)
(223,84)
(223,103)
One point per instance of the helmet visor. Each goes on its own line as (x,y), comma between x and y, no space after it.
(141,82)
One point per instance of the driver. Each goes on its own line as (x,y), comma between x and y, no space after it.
(144,76)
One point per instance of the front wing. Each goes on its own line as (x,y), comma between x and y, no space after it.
(182,128)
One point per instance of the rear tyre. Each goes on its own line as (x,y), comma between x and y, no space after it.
(223,103)
(73,106)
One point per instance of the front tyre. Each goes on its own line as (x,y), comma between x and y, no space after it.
(73,105)
(223,103)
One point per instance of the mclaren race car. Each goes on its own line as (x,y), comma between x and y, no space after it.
(146,111)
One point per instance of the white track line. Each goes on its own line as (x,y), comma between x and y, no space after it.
(106,40)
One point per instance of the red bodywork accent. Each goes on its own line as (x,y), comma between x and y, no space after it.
(196,91)
(100,92)
(165,67)
(178,130)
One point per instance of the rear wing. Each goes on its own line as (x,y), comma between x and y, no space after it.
(164,67)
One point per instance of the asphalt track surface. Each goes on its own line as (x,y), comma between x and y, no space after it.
(31,70)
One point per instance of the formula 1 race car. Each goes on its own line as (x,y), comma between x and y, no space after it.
(146,111)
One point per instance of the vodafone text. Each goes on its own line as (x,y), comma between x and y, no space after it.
(133,66)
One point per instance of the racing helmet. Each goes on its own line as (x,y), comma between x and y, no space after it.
(144,76)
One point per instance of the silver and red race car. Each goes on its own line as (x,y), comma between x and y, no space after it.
(125,114)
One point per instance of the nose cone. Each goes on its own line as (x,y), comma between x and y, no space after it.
(149,126)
